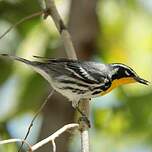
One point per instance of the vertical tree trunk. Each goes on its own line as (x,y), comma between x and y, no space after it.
(83,27)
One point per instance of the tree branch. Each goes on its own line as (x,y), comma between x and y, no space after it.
(35,116)
(51,138)
(51,10)
(21,21)
(54,136)
(54,146)
(85,145)
(16,140)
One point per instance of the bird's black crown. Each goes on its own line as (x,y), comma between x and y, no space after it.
(122,71)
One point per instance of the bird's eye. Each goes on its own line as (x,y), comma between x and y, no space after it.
(127,73)
(130,73)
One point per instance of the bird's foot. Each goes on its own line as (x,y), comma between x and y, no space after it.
(86,120)
(83,117)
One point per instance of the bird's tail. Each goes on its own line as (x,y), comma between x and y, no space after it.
(37,66)
(13,57)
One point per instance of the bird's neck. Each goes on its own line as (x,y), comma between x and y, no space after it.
(117,82)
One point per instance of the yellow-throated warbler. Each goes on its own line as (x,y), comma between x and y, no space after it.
(82,79)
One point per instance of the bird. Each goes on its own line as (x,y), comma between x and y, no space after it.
(76,79)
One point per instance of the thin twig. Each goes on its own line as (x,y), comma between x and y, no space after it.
(21,21)
(15,140)
(54,146)
(37,113)
(54,136)
(51,138)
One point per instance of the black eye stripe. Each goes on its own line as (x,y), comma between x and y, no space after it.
(121,73)
(124,67)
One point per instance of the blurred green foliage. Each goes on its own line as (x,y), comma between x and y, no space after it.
(125,36)
(7,70)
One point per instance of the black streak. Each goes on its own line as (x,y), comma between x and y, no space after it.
(74,82)
(96,92)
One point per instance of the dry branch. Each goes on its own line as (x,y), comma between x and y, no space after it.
(15,140)
(36,115)
(51,138)
(21,21)
(52,11)
(54,136)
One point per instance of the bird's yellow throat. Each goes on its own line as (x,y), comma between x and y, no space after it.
(118,82)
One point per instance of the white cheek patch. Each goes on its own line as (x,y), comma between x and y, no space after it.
(115,71)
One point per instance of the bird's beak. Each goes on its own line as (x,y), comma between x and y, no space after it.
(141,80)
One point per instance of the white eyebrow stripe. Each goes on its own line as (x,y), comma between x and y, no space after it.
(126,67)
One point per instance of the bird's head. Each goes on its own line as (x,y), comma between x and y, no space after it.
(123,74)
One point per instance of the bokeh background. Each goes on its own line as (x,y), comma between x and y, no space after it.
(102,30)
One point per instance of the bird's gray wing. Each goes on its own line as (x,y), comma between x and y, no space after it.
(71,68)
(97,71)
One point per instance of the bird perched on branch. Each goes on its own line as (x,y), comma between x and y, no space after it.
(82,79)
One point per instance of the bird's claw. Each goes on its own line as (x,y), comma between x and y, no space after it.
(85,119)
